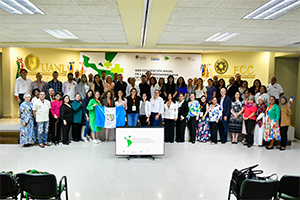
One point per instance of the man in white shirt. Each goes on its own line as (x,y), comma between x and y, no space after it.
(41,109)
(157,109)
(39,84)
(22,86)
(70,87)
(274,89)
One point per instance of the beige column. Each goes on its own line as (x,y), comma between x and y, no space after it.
(297,102)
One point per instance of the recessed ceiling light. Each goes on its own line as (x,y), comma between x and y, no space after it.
(222,37)
(61,33)
(273,9)
(20,7)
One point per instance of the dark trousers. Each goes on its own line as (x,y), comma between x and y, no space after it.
(21,97)
(55,130)
(213,131)
(180,130)
(76,131)
(277,101)
(169,130)
(223,130)
(250,123)
(283,134)
(153,121)
(192,124)
(66,130)
(143,120)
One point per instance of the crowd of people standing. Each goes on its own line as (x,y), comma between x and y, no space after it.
(235,108)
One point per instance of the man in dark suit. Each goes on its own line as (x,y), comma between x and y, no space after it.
(225,102)
(232,88)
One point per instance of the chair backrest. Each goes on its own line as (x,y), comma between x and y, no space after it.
(258,189)
(38,185)
(290,185)
(6,186)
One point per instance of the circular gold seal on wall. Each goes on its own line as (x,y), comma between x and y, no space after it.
(32,62)
(221,66)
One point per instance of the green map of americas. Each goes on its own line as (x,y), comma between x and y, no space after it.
(109,56)
(129,140)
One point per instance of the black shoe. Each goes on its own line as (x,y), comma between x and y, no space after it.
(65,143)
(281,148)
(245,144)
(223,142)
(269,148)
(249,145)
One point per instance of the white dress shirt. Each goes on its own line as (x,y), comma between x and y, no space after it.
(274,90)
(157,105)
(71,91)
(22,86)
(170,112)
(147,107)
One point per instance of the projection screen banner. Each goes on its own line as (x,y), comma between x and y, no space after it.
(140,141)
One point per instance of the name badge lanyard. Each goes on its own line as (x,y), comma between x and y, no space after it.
(69,93)
(133,104)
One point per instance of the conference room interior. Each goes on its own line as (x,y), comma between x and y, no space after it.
(187,38)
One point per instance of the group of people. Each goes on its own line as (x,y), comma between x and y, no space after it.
(234,108)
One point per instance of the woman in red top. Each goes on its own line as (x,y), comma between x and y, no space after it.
(55,118)
(249,117)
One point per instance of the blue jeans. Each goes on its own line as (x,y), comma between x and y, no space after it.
(153,121)
(132,119)
(42,129)
(87,128)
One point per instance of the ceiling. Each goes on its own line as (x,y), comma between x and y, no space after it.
(181,25)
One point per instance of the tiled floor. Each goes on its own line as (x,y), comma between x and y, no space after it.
(187,171)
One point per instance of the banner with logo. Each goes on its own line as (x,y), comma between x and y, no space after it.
(137,64)
(140,141)
(110,117)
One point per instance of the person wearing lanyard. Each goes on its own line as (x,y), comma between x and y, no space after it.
(38,84)
(108,102)
(133,108)
(157,108)
(22,85)
(70,87)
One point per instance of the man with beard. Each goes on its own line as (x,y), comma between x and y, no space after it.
(70,87)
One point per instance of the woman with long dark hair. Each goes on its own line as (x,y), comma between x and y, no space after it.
(236,118)
(255,87)
(210,91)
(153,86)
(203,124)
(181,87)
(96,101)
(97,85)
(221,84)
(145,110)
(170,87)
(108,101)
(193,116)
(183,110)
(169,116)
(271,125)
(87,130)
(120,100)
(133,108)
(162,88)
(66,114)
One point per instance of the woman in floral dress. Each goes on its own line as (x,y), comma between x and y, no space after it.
(193,116)
(27,137)
(271,131)
(203,125)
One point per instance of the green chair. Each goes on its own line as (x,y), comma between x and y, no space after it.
(289,187)
(9,188)
(256,189)
(42,186)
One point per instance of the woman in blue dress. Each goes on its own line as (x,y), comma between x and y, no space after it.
(27,136)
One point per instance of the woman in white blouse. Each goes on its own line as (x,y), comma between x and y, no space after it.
(200,90)
(263,94)
(145,110)
(120,100)
(215,114)
(169,116)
